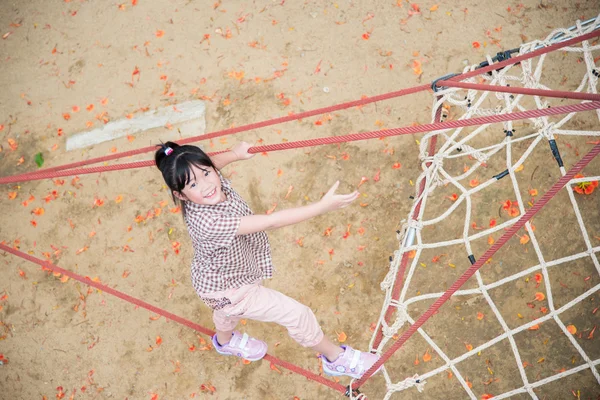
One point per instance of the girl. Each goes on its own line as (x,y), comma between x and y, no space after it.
(232,256)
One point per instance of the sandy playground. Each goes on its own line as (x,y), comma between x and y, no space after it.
(71,66)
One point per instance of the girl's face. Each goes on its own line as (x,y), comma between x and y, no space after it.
(204,188)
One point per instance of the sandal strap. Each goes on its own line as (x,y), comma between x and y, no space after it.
(244,341)
(355,359)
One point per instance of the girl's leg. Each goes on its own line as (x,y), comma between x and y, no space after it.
(225,325)
(272,306)
(223,337)
(328,349)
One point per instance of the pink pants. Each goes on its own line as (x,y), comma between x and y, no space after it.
(259,303)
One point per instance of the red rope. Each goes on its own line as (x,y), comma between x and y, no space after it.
(526,56)
(257,125)
(480,262)
(520,90)
(324,110)
(140,303)
(333,139)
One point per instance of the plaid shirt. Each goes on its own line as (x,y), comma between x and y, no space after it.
(222,259)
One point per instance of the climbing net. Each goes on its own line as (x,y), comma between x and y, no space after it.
(461,157)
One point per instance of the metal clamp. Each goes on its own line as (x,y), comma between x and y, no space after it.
(434,86)
(355,392)
(499,57)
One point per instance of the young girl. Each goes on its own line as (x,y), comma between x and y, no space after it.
(232,256)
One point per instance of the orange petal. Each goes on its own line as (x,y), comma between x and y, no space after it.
(572,329)
(159,33)
(274,368)
(12,143)
(342,337)
(539,296)
(427,356)
(524,239)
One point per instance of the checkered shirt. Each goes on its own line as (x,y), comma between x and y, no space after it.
(222,259)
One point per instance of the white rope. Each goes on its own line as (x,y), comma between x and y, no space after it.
(455,144)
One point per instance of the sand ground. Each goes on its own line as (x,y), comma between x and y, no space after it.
(252,61)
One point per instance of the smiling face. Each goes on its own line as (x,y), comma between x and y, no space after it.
(203,187)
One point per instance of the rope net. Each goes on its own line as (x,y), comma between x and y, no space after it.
(454,219)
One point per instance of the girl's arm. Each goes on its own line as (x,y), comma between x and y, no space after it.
(329,202)
(239,152)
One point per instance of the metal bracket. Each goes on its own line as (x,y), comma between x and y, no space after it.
(499,57)
(355,392)
(443,78)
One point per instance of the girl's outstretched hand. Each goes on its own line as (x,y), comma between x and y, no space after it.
(241,151)
(332,201)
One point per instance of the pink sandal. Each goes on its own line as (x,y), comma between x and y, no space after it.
(351,362)
(242,346)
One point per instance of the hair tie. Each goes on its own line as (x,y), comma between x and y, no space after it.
(168,151)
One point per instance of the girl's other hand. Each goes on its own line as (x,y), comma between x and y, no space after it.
(241,151)
(332,201)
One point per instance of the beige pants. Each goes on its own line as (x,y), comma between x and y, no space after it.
(259,303)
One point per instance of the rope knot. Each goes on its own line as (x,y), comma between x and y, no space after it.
(478,155)
(415,224)
(401,317)
(438,160)
(408,383)
(547,130)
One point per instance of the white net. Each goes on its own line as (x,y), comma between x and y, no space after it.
(461,157)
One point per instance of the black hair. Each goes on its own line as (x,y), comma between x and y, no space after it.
(175,163)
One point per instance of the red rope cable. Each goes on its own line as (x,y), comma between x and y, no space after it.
(521,90)
(480,262)
(230,131)
(164,313)
(526,56)
(324,110)
(334,139)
